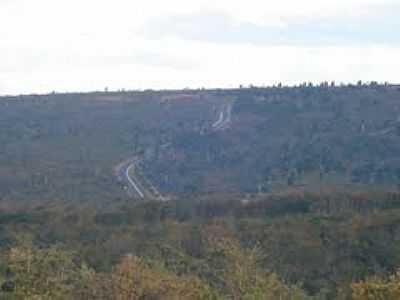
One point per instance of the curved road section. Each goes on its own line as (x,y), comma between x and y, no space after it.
(132,181)
(125,172)
(135,183)
(224,118)
(138,185)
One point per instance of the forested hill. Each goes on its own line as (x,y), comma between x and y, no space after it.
(253,193)
(249,140)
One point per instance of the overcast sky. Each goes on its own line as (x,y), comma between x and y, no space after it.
(82,45)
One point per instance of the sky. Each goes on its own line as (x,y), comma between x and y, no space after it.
(75,45)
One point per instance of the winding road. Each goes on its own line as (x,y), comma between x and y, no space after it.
(132,181)
(142,187)
(224,118)
(136,184)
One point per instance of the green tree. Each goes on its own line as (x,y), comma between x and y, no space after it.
(48,273)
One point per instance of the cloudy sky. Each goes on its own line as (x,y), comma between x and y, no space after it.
(76,45)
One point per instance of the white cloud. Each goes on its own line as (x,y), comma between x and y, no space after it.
(83,45)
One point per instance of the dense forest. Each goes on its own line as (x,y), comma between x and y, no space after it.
(250,193)
(305,138)
(287,246)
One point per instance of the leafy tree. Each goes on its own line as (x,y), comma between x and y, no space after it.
(241,276)
(377,288)
(46,273)
(133,279)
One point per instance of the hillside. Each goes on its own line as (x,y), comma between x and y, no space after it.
(256,193)
(66,146)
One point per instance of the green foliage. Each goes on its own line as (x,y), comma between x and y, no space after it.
(65,146)
(48,273)
(377,288)
(240,274)
(133,279)
(267,209)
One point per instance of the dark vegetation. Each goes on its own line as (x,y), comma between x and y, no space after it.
(296,199)
(305,138)
(287,246)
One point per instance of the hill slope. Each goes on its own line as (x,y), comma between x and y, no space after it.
(247,140)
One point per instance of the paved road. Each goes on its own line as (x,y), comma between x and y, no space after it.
(224,118)
(132,180)
(126,170)
(219,121)
(140,187)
